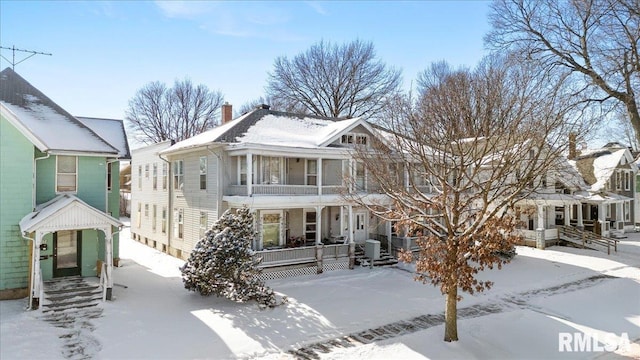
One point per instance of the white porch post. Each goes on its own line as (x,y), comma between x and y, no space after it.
(319,176)
(540,216)
(318,224)
(249,174)
(35,290)
(619,213)
(108,254)
(580,224)
(601,217)
(350,224)
(388,232)
(567,220)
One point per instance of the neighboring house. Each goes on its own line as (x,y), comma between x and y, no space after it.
(59,189)
(125,189)
(290,169)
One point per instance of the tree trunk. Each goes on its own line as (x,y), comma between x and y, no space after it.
(451,315)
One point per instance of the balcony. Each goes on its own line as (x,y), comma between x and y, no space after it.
(287,190)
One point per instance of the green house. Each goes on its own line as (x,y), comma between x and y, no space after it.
(59,191)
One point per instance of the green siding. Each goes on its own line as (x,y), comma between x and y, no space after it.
(16,172)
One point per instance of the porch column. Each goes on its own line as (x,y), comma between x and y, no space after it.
(601,218)
(249,174)
(540,216)
(319,176)
(388,231)
(350,224)
(567,220)
(619,213)
(318,224)
(36,280)
(580,224)
(108,254)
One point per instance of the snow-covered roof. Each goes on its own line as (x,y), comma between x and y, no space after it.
(110,130)
(65,212)
(603,167)
(48,126)
(268,127)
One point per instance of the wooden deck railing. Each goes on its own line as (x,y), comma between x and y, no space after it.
(576,235)
(301,255)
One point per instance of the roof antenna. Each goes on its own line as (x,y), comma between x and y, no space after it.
(13,50)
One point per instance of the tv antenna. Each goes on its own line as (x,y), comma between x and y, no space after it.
(13,50)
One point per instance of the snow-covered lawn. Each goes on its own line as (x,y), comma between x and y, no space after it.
(538,297)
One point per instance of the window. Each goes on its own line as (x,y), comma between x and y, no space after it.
(203,223)
(139,215)
(312,172)
(271,171)
(627,211)
(155,176)
(178,175)
(203,173)
(627,181)
(154,213)
(618,180)
(270,230)
(361,140)
(139,176)
(163,225)
(179,223)
(354,139)
(146,171)
(66,173)
(347,139)
(164,176)
(243,170)
(109,174)
(310,225)
(360,176)
(608,211)
(146,211)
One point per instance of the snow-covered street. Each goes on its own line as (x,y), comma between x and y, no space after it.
(354,314)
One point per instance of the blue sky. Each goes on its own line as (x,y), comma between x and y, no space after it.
(103,52)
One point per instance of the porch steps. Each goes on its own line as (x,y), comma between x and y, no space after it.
(384,260)
(586,239)
(69,294)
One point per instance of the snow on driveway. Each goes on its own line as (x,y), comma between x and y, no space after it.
(539,295)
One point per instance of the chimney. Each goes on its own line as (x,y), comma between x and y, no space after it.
(227,114)
(572,146)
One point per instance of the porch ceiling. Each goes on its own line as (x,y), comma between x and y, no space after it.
(66,212)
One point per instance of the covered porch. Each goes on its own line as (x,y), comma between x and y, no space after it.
(69,237)
(542,214)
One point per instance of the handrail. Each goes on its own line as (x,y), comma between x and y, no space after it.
(588,237)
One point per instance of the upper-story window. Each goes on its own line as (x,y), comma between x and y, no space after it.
(354,139)
(165,175)
(146,171)
(271,170)
(178,175)
(109,174)
(312,172)
(360,176)
(618,180)
(627,181)
(155,176)
(139,176)
(203,173)
(66,173)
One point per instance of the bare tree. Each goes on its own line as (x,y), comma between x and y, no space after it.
(333,81)
(454,164)
(595,41)
(158,113)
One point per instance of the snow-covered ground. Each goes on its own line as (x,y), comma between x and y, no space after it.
(537,301)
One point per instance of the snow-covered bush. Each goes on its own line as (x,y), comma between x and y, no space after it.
(222,262)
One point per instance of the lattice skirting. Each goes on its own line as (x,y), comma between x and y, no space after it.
(287,271)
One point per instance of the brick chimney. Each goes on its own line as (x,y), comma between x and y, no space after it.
(573,153)
(227,114)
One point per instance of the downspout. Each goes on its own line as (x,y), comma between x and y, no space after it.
(106,195)
(35,170)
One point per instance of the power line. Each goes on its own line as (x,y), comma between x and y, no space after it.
(13,50)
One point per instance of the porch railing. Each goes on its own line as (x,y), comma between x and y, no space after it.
(241,190)
(301,255)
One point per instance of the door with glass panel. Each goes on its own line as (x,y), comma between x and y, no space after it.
(271,230)
(66,253)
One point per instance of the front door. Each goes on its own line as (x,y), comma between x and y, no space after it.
(360,227)
(66,253)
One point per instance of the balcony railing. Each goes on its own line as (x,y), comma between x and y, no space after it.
(241,190)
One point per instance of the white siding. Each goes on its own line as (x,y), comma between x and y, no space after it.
(145,195)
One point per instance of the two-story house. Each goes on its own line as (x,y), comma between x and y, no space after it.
(59,189)
(291,170)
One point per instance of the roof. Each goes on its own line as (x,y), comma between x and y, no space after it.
(269,127)
(47,125)
(112,131)
(597,166)
(65,212)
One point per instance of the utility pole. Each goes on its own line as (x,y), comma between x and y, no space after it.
(13,50)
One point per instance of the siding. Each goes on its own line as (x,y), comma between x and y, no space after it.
(146,195)
(16,172)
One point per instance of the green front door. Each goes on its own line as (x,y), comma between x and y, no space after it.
(66,253)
